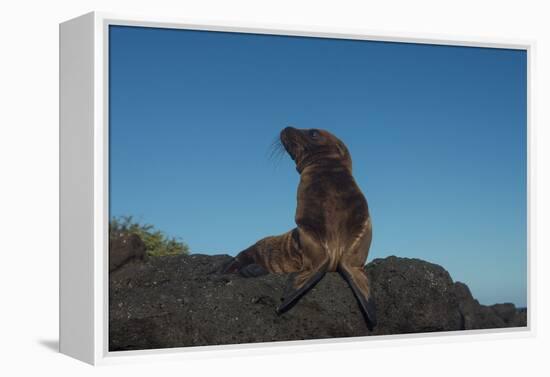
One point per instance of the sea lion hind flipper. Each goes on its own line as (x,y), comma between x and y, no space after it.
(293,294)
(361,293)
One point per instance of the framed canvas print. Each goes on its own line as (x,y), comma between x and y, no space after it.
(226,187)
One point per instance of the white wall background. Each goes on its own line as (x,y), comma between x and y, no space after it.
(29,183)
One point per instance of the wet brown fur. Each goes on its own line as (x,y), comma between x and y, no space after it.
(334,229)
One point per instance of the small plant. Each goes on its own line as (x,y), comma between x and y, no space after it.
(157,243)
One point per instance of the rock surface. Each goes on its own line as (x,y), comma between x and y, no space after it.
(177,301)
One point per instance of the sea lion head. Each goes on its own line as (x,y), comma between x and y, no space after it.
(314,147)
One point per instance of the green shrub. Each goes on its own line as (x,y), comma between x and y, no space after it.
(156,241)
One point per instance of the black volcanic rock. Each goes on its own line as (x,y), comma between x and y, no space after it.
(176,301)
(413,296)
(475,316)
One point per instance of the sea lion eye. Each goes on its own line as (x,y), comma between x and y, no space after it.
(314,134)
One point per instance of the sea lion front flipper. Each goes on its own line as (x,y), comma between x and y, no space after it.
(253,270)
(242,260)
(357,279)
(230,267)
(299,284)
(235,266)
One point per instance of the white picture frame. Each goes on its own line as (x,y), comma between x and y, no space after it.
(84,156)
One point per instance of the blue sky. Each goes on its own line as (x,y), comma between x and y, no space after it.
(437,136)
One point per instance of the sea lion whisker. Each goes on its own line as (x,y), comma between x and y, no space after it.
(276,151)
(275,145)
(276,154)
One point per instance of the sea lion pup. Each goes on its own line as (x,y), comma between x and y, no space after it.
(334,229)
(124,247)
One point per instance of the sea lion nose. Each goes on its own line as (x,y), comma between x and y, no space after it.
(286,130)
